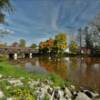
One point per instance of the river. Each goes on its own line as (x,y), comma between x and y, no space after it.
(84,71)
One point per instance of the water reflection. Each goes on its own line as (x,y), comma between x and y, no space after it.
(54,65)
(84,71)
(29,67)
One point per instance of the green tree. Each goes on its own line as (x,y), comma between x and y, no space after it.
(5,5)
(88,42)
(2,45)
(22,43)
(73,47)
(33,45)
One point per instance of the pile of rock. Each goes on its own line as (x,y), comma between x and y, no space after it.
(43,89)
(46,88)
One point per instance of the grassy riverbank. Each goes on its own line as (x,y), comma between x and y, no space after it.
(7,69)
(17,84)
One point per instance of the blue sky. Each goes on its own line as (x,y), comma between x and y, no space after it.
(35,20)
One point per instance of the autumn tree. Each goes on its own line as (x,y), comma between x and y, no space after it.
(50,43)
(60,41)
(55,46)
(43,47)
(22,43)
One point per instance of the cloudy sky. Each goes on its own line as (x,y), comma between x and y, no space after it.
(36,20)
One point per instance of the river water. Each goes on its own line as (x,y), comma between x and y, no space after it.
(84,71)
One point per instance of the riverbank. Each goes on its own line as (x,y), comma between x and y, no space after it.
(20,88)
(8,69)
(17,84)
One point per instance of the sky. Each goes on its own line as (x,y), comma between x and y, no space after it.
(36,20)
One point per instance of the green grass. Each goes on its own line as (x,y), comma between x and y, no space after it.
(7,69)
(10,70)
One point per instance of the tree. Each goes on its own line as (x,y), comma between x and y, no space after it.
(42,45)
(88,42)
(50,43)
(85,37)
(59,44)
(54,46)
(22,43)
(95,24)
(73,47)
(2,45)
(33,45)
(4,5)
(80,38)
(60,41)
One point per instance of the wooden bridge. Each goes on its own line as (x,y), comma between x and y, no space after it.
(16,52)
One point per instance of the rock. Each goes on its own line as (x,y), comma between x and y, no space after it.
(95,94)
(21,78)
(56,94)
(40,93)
(47,82)
(1,75)
(74,94)
(50,90)
(1,94)
(90,94)
(15,82)
(52,96)
(61,93)
(82,96)
(67,93)
(72,87)
(97,99)
(10,98)
(33,83)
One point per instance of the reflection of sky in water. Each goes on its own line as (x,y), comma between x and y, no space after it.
(32,68)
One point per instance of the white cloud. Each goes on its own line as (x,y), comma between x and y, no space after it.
(6,31)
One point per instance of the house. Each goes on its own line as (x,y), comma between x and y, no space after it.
(15,44)
(85,50)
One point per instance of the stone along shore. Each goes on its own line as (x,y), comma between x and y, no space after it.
(30,89)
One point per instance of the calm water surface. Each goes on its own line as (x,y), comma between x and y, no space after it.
(83,71)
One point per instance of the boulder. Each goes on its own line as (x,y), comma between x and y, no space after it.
(90,94)
(1,76)
(82,96)
(1,94)
(15,82)
(67,93)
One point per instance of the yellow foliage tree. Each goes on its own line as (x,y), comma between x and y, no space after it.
(61,41)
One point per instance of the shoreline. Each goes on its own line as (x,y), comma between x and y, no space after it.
(10,76)
(12,88)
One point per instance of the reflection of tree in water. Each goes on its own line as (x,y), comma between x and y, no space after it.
(54,65)
(73,63)
(73,67)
